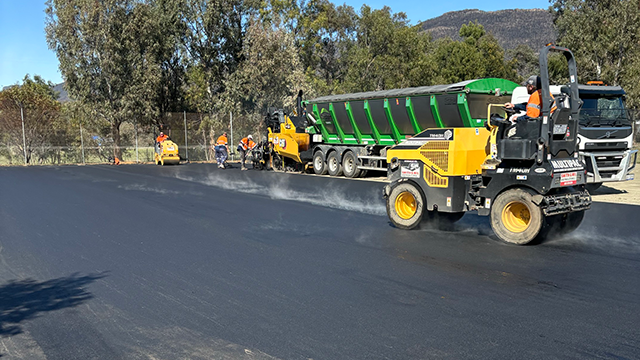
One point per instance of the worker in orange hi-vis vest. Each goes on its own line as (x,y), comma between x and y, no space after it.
(534,106)
(162,137)
(222,150)
(245,145)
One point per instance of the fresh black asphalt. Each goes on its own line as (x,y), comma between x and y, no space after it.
(193,262)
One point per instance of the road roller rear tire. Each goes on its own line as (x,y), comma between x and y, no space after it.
(515,219)
(405,206)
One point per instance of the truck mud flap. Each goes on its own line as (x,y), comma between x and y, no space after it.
(564,203)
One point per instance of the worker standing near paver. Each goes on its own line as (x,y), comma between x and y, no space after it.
(245,145)
(222,150)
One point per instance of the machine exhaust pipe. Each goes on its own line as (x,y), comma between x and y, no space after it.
(299,103)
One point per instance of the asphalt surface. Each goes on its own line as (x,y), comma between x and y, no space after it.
(192,262)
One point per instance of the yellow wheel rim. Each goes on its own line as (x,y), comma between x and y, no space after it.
(516,217)
(406,205)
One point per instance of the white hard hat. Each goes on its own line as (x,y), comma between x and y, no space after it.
(250,137)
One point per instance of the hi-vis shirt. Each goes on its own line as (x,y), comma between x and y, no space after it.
(247,144)
(222,140)
(534,106)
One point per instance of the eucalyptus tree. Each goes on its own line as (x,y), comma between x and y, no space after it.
(106,53)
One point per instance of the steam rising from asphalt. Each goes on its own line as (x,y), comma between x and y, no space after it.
(332,198)
(594,239)
(141,187)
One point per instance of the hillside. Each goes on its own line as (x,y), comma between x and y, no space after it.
(511,27)
(63,96)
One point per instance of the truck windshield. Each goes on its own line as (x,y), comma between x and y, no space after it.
(603,111)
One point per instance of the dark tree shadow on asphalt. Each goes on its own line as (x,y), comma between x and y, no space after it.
(27,299)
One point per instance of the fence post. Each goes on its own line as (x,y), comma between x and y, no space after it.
(135,128)
(82,144)
(206,149)
(186,143)
(24,138)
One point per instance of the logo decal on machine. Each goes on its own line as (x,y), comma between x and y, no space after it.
(569,164)
(410,169)
(568,179)
(424,137)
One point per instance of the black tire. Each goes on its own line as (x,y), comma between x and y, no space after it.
(350,165)
(591,187)
(319,165)
(406,206)
(515,219)
(335,168)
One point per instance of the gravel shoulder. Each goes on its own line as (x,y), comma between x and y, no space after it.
(623,192)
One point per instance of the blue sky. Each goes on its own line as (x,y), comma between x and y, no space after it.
(23,47)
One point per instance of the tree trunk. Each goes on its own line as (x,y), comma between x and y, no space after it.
(115,131)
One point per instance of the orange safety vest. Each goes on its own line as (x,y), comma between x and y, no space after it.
(222,140)
(534,106)
(162,138)
(247,144)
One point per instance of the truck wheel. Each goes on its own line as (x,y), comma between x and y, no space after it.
(405,206)
(350,165)
(335,168)
(515,219)
(319,166)
(591,187)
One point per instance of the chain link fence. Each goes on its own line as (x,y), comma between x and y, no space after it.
(194,133)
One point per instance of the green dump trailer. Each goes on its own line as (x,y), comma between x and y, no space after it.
(351,132)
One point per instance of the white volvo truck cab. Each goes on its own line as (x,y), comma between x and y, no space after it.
(605,132)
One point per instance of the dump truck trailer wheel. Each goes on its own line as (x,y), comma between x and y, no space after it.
(319,165)
(515,218)
(405,206)
(335,168)
(350,165)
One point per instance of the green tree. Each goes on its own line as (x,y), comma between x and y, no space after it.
(270,75)
(604,35)
(323,34)
(106,54)
(169,27)
(389,53)
(34,100)
(477,55)
(214,36)
(524,60)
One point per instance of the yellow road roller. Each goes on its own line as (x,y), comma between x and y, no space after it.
(166,152)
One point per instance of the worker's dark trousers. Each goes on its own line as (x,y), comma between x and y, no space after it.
(243,155)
